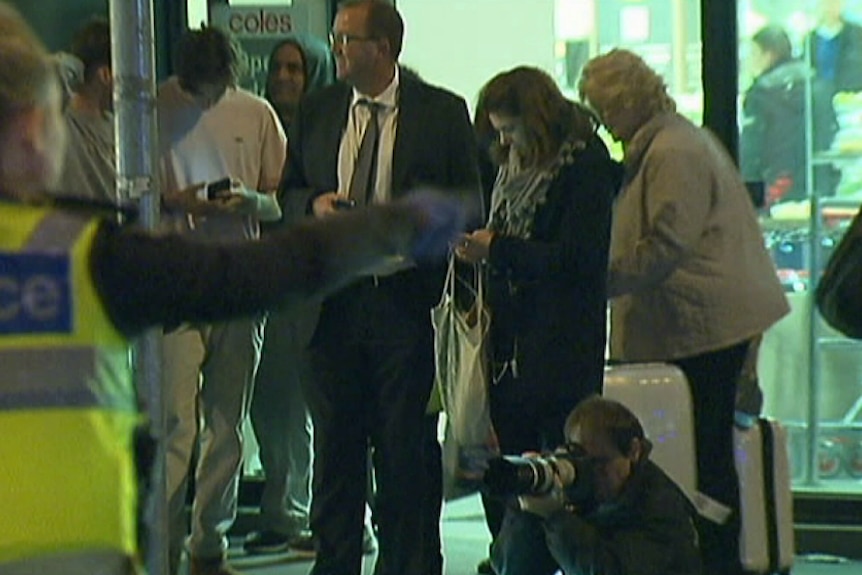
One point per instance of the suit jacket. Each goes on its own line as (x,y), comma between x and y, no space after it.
(434,147)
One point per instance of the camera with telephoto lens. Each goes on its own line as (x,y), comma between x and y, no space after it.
(537,475)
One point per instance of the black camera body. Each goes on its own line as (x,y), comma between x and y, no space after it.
(537,475)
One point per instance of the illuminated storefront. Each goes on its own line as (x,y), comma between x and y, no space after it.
(811,376)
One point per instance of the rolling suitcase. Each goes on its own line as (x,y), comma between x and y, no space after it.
(766,502)
(659,396)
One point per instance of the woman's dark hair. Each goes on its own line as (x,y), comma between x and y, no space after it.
(609,418)
(774,39)
(549,117)
(207,56)
(270,69)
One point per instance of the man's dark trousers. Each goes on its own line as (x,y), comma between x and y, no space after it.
(373,359)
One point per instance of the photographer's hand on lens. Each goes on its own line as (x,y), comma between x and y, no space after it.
(546,504)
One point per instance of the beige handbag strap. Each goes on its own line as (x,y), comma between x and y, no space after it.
(477,290)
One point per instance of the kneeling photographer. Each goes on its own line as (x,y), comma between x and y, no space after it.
(597,506)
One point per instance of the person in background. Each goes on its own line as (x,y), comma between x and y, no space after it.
(297,65)
(287,78)
(835,48)
(279,415)
(372,350)
(834,51)
(70,73)
(689,278)
(626,517)
(68,401)
(772,142)
(210,131)
(546,247)
(89,169)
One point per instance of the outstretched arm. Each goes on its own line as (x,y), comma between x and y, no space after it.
(146,280)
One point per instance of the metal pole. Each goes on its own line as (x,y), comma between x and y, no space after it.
(812,419)
(133,66)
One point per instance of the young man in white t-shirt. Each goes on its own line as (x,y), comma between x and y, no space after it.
(210,131)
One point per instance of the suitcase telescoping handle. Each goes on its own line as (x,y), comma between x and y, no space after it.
(769,494)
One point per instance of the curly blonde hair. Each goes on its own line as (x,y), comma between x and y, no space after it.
(621,79)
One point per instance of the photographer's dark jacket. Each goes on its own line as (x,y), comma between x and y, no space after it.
(647,531)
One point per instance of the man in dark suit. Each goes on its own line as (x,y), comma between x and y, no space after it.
(372,352)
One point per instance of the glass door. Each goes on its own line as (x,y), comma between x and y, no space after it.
(800,113)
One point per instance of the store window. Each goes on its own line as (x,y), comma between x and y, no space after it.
(811,376)
(461,44)
(800,112)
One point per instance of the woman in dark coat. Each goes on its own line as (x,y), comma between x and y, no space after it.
(772,142)
(546,248)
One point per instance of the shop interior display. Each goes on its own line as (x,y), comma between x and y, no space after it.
(801,236)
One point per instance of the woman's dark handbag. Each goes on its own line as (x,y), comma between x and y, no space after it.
(838,295)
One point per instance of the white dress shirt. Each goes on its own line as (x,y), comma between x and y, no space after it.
(357,122)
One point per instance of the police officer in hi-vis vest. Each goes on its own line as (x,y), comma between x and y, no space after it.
(74,287)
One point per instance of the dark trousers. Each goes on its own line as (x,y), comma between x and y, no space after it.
(524,420)
(373,371)
(712,378)
(520,548)
(280,418)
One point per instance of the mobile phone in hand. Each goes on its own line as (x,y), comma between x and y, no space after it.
(344,204)
(218,189)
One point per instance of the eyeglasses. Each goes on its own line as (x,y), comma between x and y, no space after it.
(342,39)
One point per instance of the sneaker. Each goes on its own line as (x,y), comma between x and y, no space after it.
(303,544)
(263,542)
(484,567)
(210,566)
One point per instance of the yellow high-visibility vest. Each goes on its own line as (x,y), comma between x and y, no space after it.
(67,403)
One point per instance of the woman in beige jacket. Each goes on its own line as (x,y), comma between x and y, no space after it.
(690,281)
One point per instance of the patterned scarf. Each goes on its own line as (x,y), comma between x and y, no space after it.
(518,192)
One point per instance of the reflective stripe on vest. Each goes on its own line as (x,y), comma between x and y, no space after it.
(29,381)
(55,233)
(54,377)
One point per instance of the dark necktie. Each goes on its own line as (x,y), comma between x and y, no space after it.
(365,170)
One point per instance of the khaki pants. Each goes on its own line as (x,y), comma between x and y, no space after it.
(209,375)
